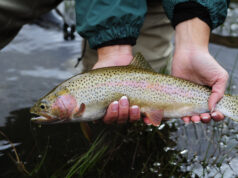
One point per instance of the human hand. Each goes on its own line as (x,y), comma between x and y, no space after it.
(193,62)
(117,55)
(200,67)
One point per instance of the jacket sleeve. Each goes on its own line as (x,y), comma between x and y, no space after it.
(213,12)
(109,22)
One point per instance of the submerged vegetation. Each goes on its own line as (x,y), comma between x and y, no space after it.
(130,150)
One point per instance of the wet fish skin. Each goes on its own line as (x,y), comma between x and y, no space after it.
(86,96)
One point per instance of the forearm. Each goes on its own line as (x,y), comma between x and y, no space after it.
(192,60)
(192,35)
(115,55)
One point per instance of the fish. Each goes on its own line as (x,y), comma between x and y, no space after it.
(86,96)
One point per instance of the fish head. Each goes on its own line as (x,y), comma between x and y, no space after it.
(55,107)
(42,108)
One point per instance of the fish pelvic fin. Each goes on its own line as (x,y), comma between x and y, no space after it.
(155,116)
(86,131)
(140,62)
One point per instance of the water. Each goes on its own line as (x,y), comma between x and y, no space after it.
(32,64)
(230,27)
(36,61)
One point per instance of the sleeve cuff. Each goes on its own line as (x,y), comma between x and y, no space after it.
(124,41)
(115,35)
(188,10)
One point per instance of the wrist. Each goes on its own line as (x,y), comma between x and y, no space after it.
(116,54)
(192,35)
(186,56)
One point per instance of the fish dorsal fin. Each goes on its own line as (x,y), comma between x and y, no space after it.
(139,62)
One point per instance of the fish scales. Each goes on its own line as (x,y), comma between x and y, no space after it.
(143,88)
(95,90)
(150,86)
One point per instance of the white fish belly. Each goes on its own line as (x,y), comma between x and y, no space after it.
(185,111)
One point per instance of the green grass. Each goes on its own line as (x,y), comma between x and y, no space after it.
(89,159)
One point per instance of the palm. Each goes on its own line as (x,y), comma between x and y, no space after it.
(203,69)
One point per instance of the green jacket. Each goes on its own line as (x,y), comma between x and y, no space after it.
(108,22)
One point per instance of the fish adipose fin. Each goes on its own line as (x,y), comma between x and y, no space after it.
(139,62)
(155,116)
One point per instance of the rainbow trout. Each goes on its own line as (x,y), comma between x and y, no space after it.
(85,97)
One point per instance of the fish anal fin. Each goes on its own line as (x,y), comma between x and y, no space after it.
(155,116)
(80,111)
(139,62)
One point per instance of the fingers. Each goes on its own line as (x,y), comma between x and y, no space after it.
(112,113)
(186,119)
(121,111)
(218,90)
(204,118)
(134,113)
(217,116)
(195,119)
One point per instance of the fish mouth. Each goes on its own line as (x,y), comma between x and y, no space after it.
(45,119)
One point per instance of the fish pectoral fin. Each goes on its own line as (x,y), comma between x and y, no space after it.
(155,116)
(80,110)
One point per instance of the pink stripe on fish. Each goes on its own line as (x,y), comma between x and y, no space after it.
(167,89)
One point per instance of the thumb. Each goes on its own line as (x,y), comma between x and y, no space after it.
(218,90)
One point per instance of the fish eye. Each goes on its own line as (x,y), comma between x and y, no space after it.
(42,106)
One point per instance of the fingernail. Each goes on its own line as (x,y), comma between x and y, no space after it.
(134,109)
(124,98)
(196,122)
(214,114)
(205,118)
(115,106)
(124,101)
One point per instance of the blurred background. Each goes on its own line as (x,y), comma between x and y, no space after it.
(44,54)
